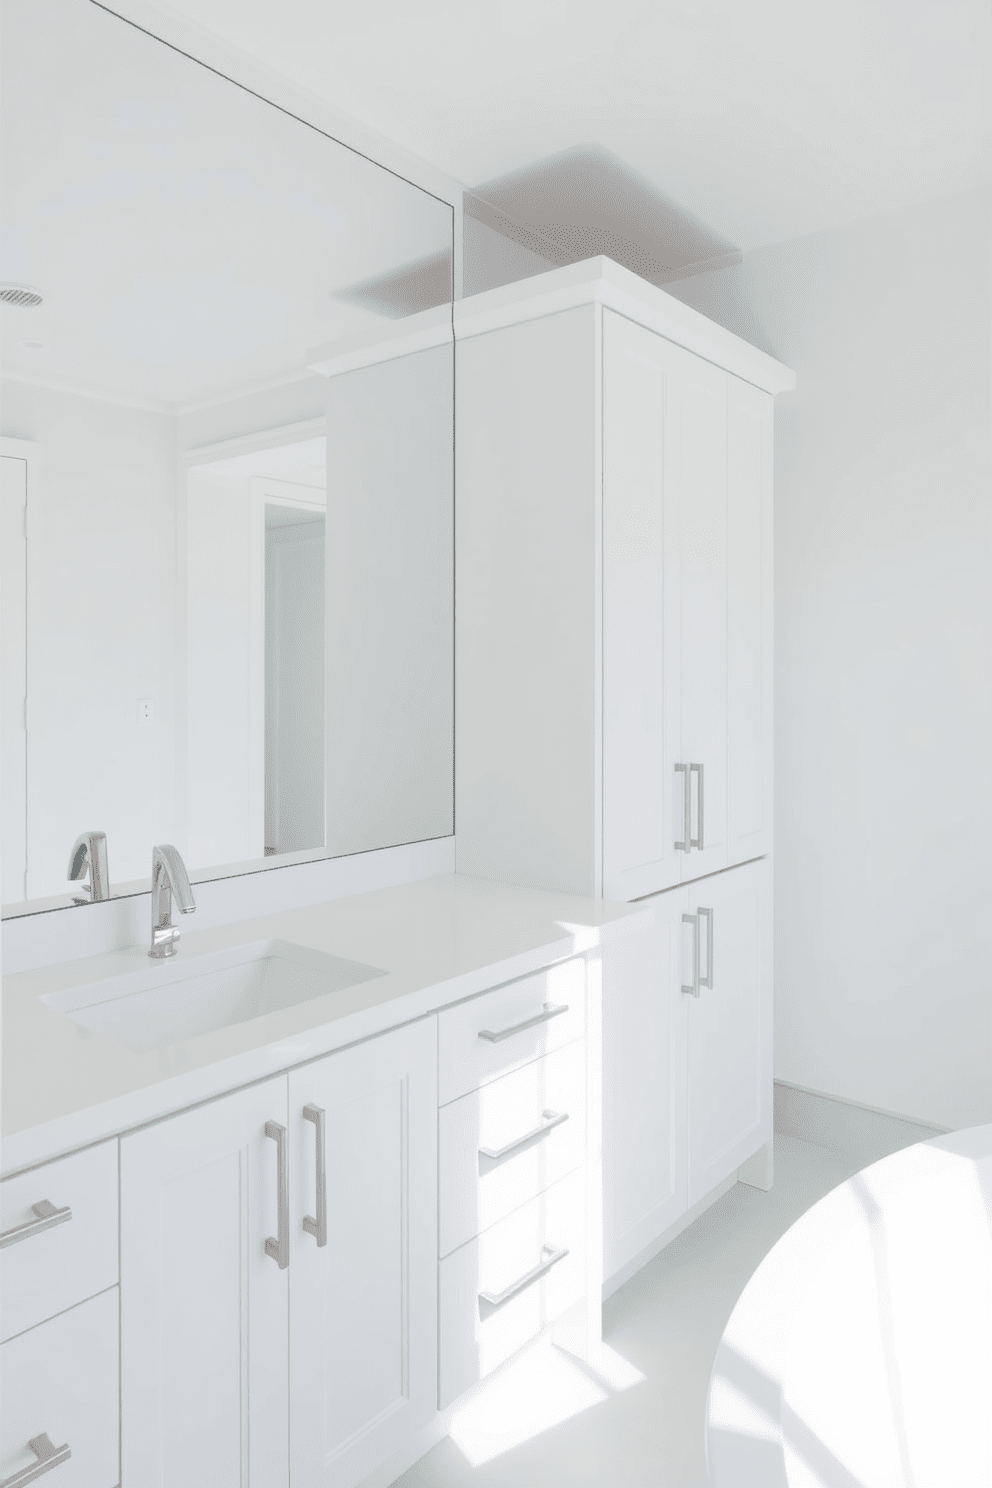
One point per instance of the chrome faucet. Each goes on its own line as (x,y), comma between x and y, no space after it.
(169,877)
(89,855)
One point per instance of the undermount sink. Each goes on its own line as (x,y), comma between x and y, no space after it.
(180,999)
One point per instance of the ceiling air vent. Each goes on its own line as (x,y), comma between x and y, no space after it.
(19,294)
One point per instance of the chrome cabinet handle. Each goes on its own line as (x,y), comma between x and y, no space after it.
(696,841)
(551,1257)
(693,987)
(686,842)
(549,1120)
(318,1227)
(47,1218)
(551,1010)
(707,980)
(48,1456)
(279,1249)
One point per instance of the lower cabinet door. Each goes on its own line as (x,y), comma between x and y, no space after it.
(644,1083)
(729,1023)
(60,1392)
(363,1290)
(204,1307)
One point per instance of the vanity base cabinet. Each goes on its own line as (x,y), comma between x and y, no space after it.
(204,1308)
(60,1381)
(687,1079)
(363,1305)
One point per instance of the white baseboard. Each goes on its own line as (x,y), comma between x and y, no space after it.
(845,1126)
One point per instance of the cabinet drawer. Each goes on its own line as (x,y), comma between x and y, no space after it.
(44,1271)
(478,1330)
(519,1118)
(490,1035)
(60,1380)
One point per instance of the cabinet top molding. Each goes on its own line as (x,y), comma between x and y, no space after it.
(594,281)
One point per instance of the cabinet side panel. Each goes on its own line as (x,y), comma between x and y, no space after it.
(526,555)
(749,641)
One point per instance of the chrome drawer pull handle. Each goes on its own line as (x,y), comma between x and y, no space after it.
(318,1227)
(551,1010)
(693,988)
(493,1300)
(698,840)
(686,842)
(550,1119)
(707,980)
(48,1218)
(48,1457)
(279,1249)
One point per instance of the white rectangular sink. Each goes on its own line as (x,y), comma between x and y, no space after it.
(172,1000)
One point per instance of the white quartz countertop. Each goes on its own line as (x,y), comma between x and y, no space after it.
(439,940)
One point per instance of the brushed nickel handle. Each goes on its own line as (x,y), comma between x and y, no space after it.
(686,842)
(48,1456)
(693,988)
(318,1227)
(279,1249)
(549,1120)
(551,1257)
(551,1010)
(696,841)
(707,980)
(47,1217)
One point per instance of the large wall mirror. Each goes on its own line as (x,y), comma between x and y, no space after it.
(227,578)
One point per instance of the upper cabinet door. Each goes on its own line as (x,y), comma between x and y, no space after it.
(363,1305)
(702,408)
(664,612)
(642,581)
(749,561)
(199,1198)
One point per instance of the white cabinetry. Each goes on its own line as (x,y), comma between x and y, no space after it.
(363,1276)
(687,1051)
(204,1308)
(256,1347)
(614,590)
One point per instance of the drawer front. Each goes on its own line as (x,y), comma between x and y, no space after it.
(44,1271)
(478,1330)
(61,1380)
(506,1143)
(487,1037)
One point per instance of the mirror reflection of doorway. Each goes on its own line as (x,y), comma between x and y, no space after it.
(294,677)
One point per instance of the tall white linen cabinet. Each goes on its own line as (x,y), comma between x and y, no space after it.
(613,693)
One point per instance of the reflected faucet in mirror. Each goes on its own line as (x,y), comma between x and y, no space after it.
(89,855)
(169,877)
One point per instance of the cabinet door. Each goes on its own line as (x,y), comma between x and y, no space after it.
(749,631)
(729,1024)
(642,657)
(644,1073)
(363,1306)
(702,443)
(199,1198)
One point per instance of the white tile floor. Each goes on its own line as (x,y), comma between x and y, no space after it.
(546,1423)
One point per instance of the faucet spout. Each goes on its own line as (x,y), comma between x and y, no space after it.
(89,855)
(169,877)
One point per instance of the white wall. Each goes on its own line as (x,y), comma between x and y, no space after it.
(101,569)
(491,259)
(883,583)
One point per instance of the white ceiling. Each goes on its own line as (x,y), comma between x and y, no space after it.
(766,119)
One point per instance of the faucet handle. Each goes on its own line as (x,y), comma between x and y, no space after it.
(89,852)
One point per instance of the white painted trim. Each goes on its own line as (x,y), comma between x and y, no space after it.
(865,1132)
(67,934)
(597,281)
(620,1278)
(251,444)
(420,332)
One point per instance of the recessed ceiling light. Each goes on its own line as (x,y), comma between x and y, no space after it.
(24,295)
(33,345)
